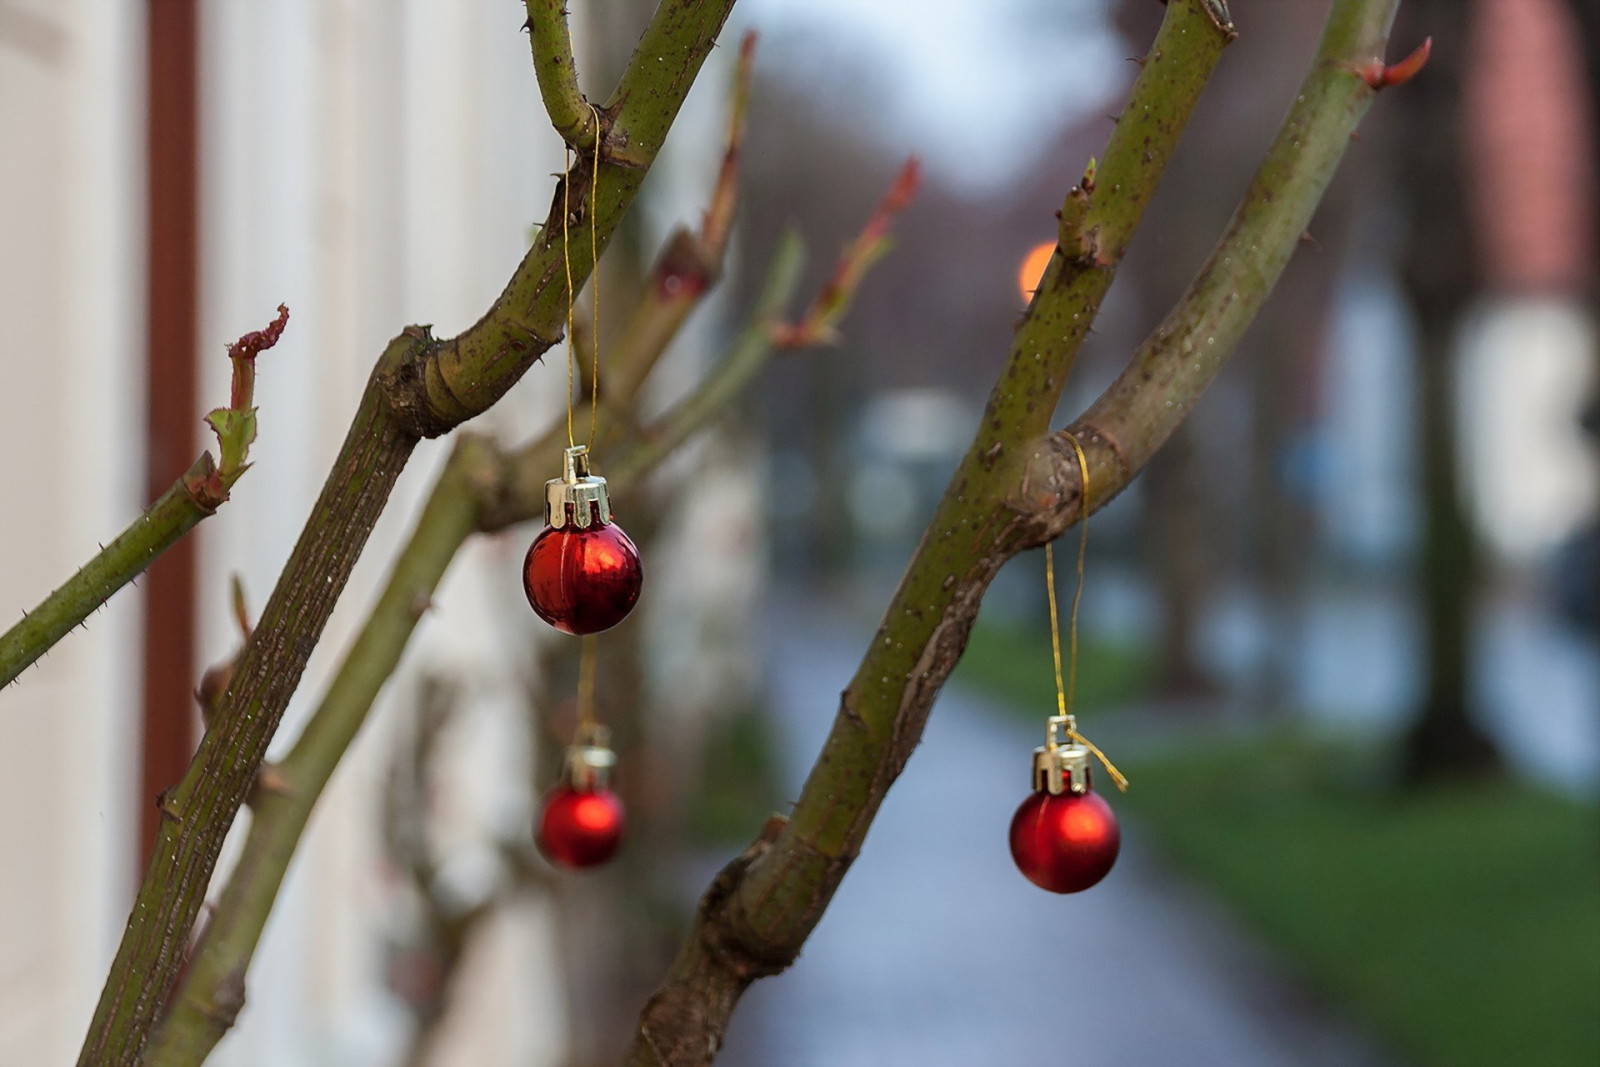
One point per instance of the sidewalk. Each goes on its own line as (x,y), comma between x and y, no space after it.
(937,953)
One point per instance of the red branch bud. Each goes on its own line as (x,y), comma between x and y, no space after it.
(256,342)
(244,351)
(1381,77)
(816,325)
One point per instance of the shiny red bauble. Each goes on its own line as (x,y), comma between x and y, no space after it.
(582,581)
(1065,843)
(579,827)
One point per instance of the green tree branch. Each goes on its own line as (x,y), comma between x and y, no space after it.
(480,489)
(197,493)
(1170,370)
(553,64)
(470,495)
(420,387)
(1018,487)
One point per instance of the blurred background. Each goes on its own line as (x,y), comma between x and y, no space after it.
(1342,633)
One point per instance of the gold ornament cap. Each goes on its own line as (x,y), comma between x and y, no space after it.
(577,497)
(1061,765)
(589,760)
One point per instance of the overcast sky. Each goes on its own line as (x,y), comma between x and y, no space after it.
(956,81)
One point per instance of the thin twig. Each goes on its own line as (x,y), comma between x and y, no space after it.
(740,367)
(195,495)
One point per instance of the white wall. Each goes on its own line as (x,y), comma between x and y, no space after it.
(71,473)
(371,165)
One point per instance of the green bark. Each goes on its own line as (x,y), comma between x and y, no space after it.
(124,559)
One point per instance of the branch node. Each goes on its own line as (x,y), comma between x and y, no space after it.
(165,806)
(1217,12)
(414,387)
(271,779)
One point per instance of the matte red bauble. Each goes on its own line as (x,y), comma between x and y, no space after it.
(579,827)
(582,573)
(1065,842)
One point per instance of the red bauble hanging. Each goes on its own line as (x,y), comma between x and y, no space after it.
(580,820)
(582,573)
(579,828)
(1065,843)
(1064,837)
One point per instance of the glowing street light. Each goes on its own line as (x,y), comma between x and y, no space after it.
(1032,269)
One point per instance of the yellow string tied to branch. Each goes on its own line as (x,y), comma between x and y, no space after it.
(1065,694)
(594,274)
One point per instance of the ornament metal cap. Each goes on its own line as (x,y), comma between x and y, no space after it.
(577,496)
(1061,765)
(589,760)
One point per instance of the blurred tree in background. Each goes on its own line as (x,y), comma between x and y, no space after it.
(1441,273)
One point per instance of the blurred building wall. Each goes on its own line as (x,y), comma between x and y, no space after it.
(1530,352)
(71,475)
(371,165)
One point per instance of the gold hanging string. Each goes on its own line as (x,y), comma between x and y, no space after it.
(570,160)
(594,282)
(1055,628)
(566,261)
(1066,694)
(587,719)
(589,731)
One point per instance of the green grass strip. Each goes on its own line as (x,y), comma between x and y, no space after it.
(1462,923)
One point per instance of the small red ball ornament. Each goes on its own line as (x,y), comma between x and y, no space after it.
(580,820)
(582,573)
(1065,843)
(579,828)
(1064,837)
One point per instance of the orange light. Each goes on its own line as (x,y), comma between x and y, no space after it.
(1032,269)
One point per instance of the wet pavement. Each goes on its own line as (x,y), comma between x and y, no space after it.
(937,953)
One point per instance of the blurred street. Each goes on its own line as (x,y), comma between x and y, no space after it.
(937,952)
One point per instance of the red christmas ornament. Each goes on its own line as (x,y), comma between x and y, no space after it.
(1064,837)
(581,820)
(582,573)
(579,828)
(1065,843)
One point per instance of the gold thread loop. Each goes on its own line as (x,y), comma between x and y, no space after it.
(594,281)
(1066,694)
(1055,626)
(1117,777)
(586,683)
(570,159)
(566,261)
